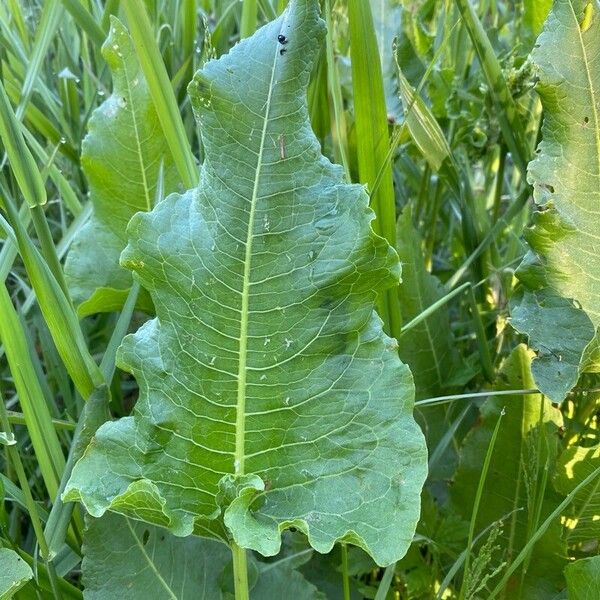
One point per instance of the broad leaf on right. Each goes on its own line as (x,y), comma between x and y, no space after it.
(558,304)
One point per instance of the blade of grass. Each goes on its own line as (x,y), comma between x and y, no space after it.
(94,414)
(434,307)
(373,140)
(15,458)
(57,310)
(16,13)
(22,163)
(249,18)
(85,20)
(30,183)
(15,418)
(477,501)
(386,582)
(526,551)
(338,127)
(458,563)
(161,91)
(453,397)
(48,24)
(485,357)
(515,208)
(44,438)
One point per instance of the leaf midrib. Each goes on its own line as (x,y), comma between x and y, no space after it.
(150,563)
(596,116)
(240,422)
(131,105)
(590,83)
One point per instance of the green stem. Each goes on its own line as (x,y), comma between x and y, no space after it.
(484,350)
(345,577)
(240,572)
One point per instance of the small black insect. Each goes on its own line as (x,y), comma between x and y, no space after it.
(282,39)
(283,51)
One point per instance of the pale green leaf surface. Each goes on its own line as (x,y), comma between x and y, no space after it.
(583,579)
(14,573)
(121,159)
(270,396)
(508,485)
(583,516)
(566,180)
(559,331)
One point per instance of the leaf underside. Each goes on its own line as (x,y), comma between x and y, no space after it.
(121,157)
(560,309)
(269,395)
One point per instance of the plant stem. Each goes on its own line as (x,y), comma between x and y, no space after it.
(240,572)
(478,495)
(345,578)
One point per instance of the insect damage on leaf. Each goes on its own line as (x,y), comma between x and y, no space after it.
(266,361)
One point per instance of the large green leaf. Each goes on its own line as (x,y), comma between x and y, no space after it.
(270,397)
(129,559)
(560,310)
(583,516)
(514,486)
(14,573)
(121,158)
(428,348)
(132,560)
(583,579)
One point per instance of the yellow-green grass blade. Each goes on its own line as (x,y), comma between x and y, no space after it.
(44,438)
(57,310)
(373,139)
(85,20)
(249,18)
(21,161)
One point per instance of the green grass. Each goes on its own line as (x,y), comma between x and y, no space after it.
(432,107)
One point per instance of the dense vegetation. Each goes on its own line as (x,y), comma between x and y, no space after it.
(300,299)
